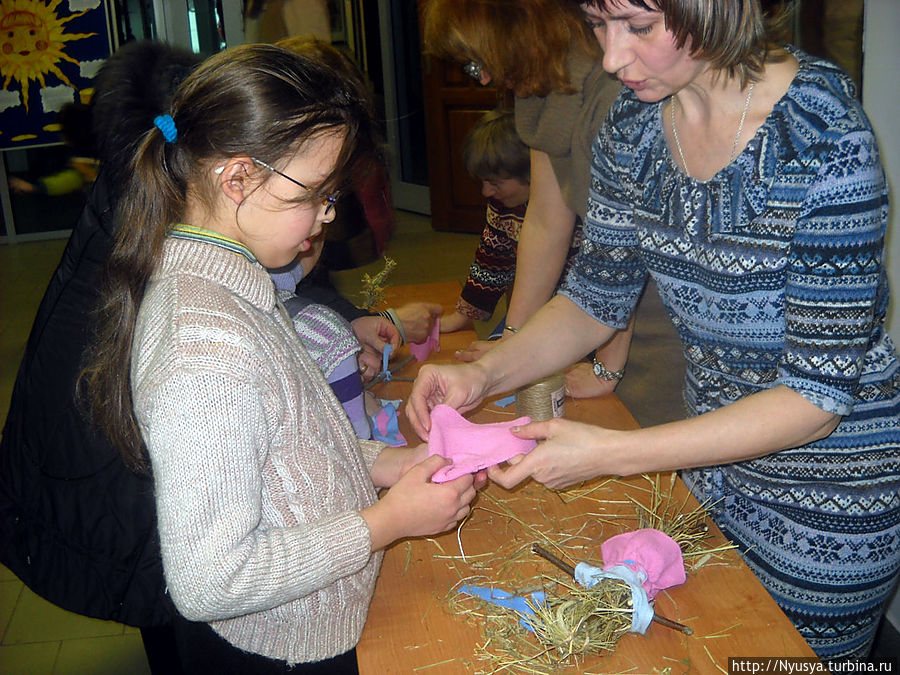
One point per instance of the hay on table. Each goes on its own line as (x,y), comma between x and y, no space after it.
(576,622)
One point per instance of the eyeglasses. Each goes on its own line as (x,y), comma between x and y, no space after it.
(473,69)
(328,202)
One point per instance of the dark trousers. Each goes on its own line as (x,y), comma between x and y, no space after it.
(161,650)
(191,648)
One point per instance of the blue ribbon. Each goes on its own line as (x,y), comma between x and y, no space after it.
(505,401)
(497,596)
(385,356)
(166,125)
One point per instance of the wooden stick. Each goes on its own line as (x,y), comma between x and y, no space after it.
(570,570)
(544,553)
(380,376)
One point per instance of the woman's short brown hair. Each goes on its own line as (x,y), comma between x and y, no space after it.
(523,44)
(735,36)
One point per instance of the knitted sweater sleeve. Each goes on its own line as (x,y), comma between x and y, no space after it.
(370,451)
(208,453)
(493,271)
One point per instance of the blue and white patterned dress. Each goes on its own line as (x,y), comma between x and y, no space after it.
(772,272)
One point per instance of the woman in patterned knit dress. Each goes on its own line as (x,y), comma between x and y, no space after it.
(270,529)
(745,179)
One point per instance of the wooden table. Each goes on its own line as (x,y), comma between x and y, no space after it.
(410,631)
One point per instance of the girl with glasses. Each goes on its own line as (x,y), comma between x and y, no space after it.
(269,525)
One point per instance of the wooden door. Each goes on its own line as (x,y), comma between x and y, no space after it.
(453,104)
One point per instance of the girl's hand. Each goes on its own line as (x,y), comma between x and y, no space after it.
(392,463)
(461,387)
(570,452)
(582,383)
(415,506)
(21,186)
(369,363)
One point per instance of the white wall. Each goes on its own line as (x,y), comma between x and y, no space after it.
(881,99)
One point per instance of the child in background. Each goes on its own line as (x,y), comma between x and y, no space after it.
(495,155)
(269,524)
(77,165)
(327,336)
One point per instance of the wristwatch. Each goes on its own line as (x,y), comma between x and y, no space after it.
(602,373)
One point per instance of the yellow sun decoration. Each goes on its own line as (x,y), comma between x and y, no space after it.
(32,39)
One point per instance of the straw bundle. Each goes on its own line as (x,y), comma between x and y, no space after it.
(576,622)
(588,621)
(689,529)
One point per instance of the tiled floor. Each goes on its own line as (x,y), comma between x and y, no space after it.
(37,637)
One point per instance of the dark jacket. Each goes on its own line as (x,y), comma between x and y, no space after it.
(76,526)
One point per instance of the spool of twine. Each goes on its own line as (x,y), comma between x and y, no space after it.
(544,399)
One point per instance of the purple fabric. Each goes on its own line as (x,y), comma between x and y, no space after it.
(286,278)
(654,555)
(432,343)
(347,387)
(471,446)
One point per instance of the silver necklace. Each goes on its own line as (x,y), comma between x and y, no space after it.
(737,136)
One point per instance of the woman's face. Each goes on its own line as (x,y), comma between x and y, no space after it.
(278,221)
(639,50)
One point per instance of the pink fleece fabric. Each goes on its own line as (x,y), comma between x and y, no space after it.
(472,446)
(421,350)
(650,553)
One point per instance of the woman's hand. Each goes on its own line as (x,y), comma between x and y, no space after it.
(582,383)
(450,323)
(417,319)
(461,387)
(567,453)
(476,350)
(415,506)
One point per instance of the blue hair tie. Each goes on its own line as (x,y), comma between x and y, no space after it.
(166,125)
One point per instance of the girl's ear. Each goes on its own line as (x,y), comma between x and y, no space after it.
(234,178)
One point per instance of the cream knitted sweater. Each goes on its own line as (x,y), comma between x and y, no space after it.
(259,476)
